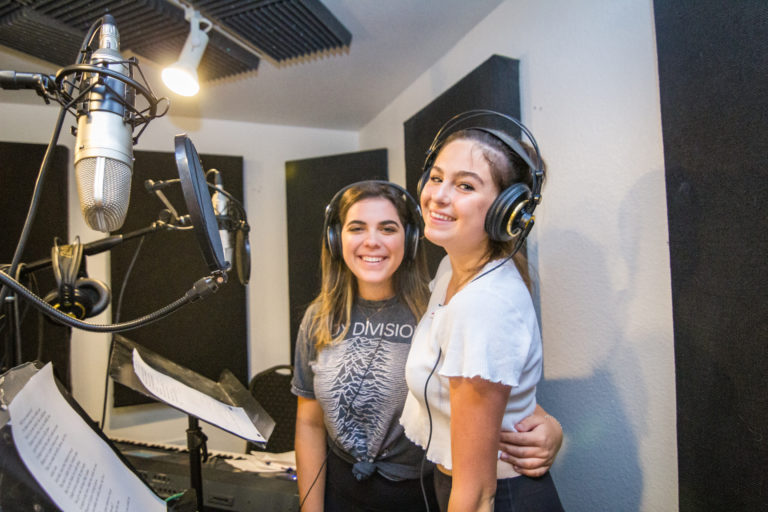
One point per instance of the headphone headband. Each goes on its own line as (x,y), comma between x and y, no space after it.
(511,214)
(66,261)
(452,125)
(414,226)
(513,143)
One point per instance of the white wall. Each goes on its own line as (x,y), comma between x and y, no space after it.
(589,87)
(265,148)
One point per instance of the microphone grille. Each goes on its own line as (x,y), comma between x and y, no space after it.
(104,187)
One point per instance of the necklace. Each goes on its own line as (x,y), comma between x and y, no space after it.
(368,310)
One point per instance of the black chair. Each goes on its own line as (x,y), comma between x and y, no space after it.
(272,389)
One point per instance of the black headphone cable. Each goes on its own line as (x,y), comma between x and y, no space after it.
(351,403)
(429,437)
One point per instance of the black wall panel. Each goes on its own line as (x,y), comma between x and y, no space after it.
(713,77)
(206,336)
(493,85)
(19,167)
(309,186)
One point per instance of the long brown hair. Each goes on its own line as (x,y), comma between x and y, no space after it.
(507,168)
(338,290)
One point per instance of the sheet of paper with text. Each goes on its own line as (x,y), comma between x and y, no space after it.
(76,467)
(192,401)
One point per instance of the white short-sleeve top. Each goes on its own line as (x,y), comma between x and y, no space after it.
(488,329)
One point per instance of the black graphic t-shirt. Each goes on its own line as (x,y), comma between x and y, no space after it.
(360,385)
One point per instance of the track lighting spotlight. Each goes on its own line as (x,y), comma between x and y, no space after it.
(181,77)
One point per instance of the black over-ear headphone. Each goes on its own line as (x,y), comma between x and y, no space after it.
(511,213)
(332,223)
(79,297)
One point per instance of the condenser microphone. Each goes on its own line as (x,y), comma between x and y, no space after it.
(220,208)
(104,146)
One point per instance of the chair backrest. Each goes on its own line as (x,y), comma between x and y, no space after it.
(272,389)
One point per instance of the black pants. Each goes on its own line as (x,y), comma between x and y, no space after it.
(519,494)
(344,493)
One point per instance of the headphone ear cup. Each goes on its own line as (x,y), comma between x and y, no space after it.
(53,299)
(76,305)
(333,241)
(411,242)
(505,211)
(93,294)
(331,235)
(89,297)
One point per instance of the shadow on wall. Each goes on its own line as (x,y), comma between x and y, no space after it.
(590,329)
(598,468)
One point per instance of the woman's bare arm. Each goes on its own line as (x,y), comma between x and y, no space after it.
(477,408)
(311,449)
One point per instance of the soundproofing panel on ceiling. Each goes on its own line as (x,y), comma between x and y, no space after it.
(33,33)
(493,85)
(712,78)
(283,29)
(206,336)
(53,30)
(309,186)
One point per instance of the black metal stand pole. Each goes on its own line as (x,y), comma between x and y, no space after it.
(198,453)
(11,355)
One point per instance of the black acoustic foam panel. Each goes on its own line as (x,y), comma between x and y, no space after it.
(712,74)
(19,166)
(309,186)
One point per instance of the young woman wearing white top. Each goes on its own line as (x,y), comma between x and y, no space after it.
(475,357)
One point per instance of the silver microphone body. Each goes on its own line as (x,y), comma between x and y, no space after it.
(104,145)
(220,203)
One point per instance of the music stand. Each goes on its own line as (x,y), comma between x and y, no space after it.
(129,365)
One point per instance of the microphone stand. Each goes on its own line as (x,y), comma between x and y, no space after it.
(198,453)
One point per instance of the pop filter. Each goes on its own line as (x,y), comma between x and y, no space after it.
(198,201)
(243,254)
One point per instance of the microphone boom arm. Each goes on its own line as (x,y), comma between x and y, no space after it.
(41,83)
(101,245)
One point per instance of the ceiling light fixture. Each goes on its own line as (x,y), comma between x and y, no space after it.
(181,77)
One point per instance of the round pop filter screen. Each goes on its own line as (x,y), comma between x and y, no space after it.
(242,256)
(198,201)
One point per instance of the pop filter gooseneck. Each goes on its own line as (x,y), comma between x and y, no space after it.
(199,205)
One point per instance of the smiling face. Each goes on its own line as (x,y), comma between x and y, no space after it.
(456,198)
(373,245)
